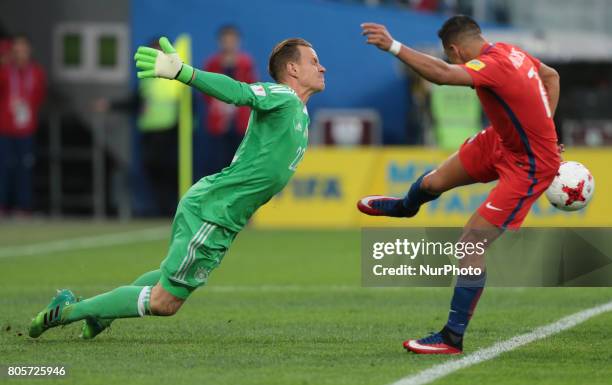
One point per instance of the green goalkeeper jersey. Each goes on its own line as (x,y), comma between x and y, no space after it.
(274,144)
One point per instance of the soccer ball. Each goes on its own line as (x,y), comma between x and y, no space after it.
(572,188)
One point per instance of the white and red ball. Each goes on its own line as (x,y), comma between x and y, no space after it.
(572,188)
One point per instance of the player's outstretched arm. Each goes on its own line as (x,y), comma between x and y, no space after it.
(431,68)
(551,81)
(153,63)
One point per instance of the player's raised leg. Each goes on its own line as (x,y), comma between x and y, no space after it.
(467,292)
(506,207)
(426,188)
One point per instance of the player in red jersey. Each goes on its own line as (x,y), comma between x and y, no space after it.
(519,94)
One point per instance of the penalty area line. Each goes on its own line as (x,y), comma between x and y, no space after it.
(441,370)
(71,244)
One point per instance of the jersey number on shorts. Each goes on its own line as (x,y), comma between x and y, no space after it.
(533,74)
(298,158)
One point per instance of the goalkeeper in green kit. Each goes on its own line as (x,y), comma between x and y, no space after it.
(218,206)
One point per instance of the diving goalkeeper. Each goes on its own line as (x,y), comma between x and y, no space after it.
(218,206)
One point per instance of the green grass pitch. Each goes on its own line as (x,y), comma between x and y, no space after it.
(285,307)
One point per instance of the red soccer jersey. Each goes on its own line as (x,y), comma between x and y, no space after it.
(513,97)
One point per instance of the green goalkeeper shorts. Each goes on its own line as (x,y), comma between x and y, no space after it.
(196,248)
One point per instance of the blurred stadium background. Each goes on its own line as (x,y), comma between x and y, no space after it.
(374,128)
(107,165)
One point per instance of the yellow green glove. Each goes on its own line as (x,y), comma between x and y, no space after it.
(165,64)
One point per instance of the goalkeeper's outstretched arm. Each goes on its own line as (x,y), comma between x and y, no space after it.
(167,64)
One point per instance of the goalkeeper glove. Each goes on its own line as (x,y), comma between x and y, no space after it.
(163,64)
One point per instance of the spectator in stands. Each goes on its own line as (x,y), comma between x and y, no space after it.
(425,5)
(225,123)
(158,123)
(22,92)
(156,105)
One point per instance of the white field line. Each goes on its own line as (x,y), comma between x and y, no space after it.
(151,234)
(278,289)
(441,370)
(295,288)
(324,288)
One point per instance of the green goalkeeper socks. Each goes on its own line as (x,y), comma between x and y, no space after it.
(122,302)
(148,279)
